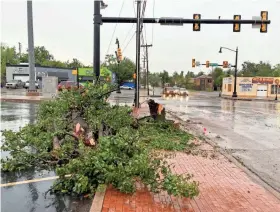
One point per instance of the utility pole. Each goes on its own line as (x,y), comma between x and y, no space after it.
(147,75)
(138,32)
(144,71)
(31,57)
(19,48)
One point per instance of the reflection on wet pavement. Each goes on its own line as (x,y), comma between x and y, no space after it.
(30,197)
(249,129)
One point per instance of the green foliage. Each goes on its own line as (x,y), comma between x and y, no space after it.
(124,70)
(123,157)
(163,135)
(154,79)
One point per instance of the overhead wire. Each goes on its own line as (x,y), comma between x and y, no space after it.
(115,28)
(131,26)
(129,41)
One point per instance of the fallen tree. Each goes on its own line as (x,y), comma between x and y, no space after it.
(80,134)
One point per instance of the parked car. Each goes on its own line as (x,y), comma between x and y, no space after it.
(125,87)
(68,85)
(14,84)
(183,92)
(26,85)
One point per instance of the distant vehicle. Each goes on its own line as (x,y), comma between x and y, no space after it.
(125,87)
(68,85)
(168,91)
(183,92)
(14,84)
(26,85)
(176,90)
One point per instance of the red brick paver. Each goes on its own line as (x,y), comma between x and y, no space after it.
(223,187)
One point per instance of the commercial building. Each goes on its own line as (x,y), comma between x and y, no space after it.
(21,72)
(86,74)
(252,87)
(203,83)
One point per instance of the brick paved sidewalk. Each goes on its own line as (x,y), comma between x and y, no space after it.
(223,187)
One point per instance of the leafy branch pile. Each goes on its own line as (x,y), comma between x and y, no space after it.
(81,135)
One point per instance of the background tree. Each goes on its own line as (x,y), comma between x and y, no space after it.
(164,77)
(8,55)
(125,70)
(154,80)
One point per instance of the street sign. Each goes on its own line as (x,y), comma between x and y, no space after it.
(214,64)
(197,63)
(256,18)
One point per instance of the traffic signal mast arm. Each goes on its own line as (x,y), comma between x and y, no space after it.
(177,21)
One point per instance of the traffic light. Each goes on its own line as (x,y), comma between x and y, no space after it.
(237,26)
(207,64)
(134,76)
(264,17)
(193,63)
(225,64)
(196,26)
(119,53)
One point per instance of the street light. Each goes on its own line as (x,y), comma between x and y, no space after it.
(234,94)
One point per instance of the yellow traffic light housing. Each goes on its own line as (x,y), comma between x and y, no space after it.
(207,64)
(134,76)
(237,26)
(196,26)
(193,63)
(225,64)
(264,17)
(119,54)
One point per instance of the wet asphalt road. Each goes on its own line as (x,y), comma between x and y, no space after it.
(30,197)
(249,130)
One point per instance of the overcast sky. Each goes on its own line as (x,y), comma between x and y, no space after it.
(65,28)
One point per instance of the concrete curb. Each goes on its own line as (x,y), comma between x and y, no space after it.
(97,202)
(253,175)
(248,99)
(37,101)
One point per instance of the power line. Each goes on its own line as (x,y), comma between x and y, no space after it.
(129,41)
(133,4)
(115,28)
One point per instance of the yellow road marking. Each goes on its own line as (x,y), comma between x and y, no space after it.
(32,181)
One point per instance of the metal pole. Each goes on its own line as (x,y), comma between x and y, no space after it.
(138,54)
(96,40)
(78,80)
(31,56)
(276,97)
(147,77)
(235,73)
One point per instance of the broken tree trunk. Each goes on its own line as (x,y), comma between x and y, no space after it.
(157,111)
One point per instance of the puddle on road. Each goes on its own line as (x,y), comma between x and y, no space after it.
(31,196)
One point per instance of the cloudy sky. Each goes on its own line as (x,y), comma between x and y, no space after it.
(65,28)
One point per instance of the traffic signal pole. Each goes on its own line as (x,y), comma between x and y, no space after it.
(96,40)
(98,20)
